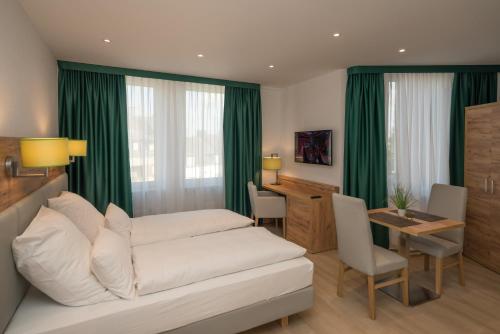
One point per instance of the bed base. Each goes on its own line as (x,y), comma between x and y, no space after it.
(253,315)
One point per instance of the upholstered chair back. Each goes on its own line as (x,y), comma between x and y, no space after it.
(449,202)
(354,236)
(252,193)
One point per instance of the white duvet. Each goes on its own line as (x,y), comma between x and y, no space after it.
(170,264)
(151,229)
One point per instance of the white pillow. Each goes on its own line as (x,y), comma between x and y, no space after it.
(80,211)
(111,263)
(54,256)
(118,221)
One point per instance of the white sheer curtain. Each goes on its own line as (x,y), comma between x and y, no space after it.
(176,145)
(417,124)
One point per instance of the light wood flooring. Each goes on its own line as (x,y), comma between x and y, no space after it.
(474,308)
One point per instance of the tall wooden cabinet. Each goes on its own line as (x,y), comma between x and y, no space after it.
(482,179)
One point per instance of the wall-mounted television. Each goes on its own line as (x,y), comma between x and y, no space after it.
(314,147)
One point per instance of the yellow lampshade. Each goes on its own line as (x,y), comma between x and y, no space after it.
(44,152)
(272,163)
(77,148)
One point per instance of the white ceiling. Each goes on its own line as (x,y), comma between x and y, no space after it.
(240,38)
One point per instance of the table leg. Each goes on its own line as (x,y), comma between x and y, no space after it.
(418,294)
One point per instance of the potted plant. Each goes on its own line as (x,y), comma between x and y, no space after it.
(402,199)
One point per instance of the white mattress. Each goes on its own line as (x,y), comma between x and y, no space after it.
(165,310)
(170,226)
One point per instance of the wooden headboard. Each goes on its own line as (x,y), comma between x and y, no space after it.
(14,189)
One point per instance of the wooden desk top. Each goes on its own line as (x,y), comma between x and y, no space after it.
(289,191)
(420,228)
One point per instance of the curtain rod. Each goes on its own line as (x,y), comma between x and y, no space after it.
(423,69)
(68,65)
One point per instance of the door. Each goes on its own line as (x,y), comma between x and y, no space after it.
(494,183)
(478,158)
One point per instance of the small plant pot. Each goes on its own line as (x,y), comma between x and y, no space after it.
(402,212)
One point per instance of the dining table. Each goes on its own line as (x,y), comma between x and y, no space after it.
(413,223)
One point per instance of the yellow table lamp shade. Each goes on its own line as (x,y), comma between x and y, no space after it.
(44,152)
(77,148)
(272,163)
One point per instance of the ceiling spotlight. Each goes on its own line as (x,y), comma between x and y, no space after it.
(336,34)
(402,50)
(107,40)
(200,55)
(271,66)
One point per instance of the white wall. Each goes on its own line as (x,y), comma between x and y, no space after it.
(272,125)
(315,104)
(28,77)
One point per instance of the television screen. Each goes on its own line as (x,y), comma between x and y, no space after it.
(314,147)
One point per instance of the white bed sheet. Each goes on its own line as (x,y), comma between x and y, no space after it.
(165,310)
(175,263)
(170,226)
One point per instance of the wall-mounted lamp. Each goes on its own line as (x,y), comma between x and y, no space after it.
(77,148)
(273,163)
(38,153)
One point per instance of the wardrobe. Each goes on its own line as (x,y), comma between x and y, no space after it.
(482,179)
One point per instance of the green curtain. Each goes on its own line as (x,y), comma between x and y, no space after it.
(469,88)
(365,162)
(92,106)
(242,146)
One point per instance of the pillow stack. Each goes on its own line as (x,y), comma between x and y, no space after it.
(54,256)
(80,211)
(97,261)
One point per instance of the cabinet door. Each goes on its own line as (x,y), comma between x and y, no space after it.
(477,171)
(300,213)
(494,221)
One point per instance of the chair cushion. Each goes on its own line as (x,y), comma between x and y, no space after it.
(386,261)
(434,246)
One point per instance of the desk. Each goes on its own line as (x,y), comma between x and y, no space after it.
(309,222)
(421,224)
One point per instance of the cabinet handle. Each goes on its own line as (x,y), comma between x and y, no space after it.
(486,184)
(492,183)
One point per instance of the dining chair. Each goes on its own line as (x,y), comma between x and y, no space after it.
(357,251)
(266,204)
(449,202)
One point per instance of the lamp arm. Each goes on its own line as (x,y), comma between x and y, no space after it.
(12,169)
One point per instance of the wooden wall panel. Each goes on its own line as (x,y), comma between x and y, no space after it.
(14,189)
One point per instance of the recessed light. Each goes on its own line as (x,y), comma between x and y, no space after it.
(271,66)
(336,34)
(107,40)
(199,55)
(402,50)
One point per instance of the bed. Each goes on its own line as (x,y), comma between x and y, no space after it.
(225,304)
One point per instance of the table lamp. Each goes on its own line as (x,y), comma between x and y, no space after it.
(77,148)
(273,163)
(38,153)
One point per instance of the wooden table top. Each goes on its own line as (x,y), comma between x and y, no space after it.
(289,191)
(417,227)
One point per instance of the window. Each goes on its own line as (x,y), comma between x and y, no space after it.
(141,132)
(417,124)
(176,145)
(204,116)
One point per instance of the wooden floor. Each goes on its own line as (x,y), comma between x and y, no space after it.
(474,308)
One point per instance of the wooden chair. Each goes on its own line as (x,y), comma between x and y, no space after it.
(357,251)
(449,202)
